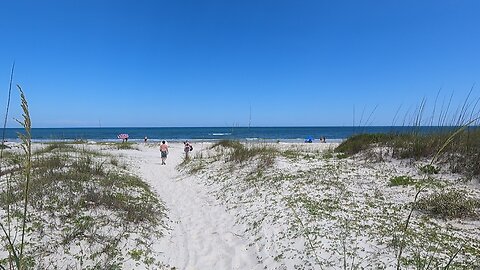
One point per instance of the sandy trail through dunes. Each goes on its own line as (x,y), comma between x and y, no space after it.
(203,235)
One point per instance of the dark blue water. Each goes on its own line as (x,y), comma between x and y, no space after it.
(204,133)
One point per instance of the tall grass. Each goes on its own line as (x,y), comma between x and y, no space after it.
(461,154)
(324,192)
(456,144)
(27,148)
(241,153)
(99,209)
(17,253)
(1,152)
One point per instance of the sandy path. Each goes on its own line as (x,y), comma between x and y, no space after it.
(203,235)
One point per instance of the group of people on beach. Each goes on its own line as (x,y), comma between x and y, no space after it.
(187,148)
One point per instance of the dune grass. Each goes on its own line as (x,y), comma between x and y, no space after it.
(338,205)
(241,153)
(449,205)
(78,198)
(67,207)
(461,155)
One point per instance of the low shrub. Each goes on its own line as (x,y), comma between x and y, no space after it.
(228,144)
(452,204)
(358,143)
(125,146)
(402,180)
(75,199)
(429,169)
(241,153)
(461,152)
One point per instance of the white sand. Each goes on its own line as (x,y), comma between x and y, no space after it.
(203,235)
(218,219)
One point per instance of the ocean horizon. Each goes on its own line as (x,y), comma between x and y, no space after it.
(332,134)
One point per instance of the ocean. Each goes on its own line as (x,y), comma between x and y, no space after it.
(295,134)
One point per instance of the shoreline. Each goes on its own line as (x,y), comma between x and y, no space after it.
(141,141)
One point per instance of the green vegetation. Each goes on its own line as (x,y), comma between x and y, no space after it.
(402,180)
(358,143)
(66,199)
(461,154)
(337,205)
(125,146)
(429,169)
(18,216)
(97,205)
(241,153)
(452,204)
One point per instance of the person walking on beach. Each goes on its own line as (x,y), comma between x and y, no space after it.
(164,152)
(187,148)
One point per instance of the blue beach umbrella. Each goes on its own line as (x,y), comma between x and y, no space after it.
(309,139)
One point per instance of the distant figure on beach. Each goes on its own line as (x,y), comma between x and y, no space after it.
(323,140)
(163,152)
(145,139)
(187,148)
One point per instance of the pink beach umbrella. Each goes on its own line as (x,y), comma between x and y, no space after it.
(123,136)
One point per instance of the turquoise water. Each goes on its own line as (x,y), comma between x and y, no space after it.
(204,133)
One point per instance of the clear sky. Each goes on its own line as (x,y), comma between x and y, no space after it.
(206,63)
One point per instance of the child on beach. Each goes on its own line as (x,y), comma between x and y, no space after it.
(164,152)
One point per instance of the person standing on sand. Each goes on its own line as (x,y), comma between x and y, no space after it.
(164,152)
(187,148)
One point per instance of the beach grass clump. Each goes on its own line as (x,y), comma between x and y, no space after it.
(240,153)
(54,146)
(79,199)
(402,180)
(429,169)
(361,142)
(336,206)
(228,144)
(449,205)
(461,154)
(327,154)
(125,146)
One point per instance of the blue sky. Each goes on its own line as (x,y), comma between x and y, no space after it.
(206,63)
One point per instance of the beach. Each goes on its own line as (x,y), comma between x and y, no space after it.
(303,211)
(277,206)
(300,135)
(202,234)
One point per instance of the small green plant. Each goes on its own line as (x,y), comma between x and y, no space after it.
(227,144)
(402,180)
(429,169)
(328,154)
(114,161)
(125,146)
